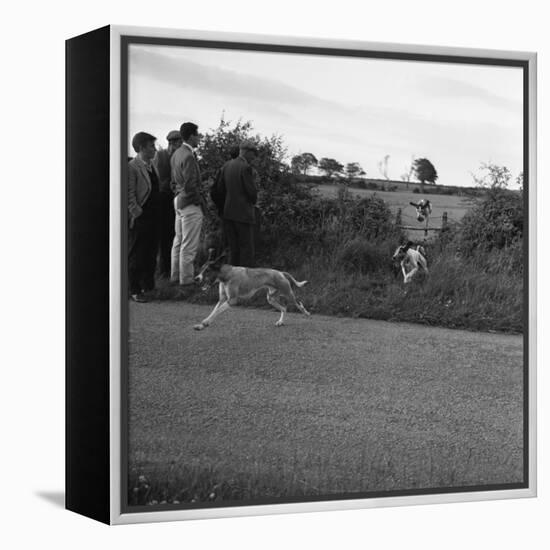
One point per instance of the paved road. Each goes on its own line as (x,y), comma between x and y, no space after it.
(426,405)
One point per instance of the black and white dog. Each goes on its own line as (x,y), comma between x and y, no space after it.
(423,210)
(411,258)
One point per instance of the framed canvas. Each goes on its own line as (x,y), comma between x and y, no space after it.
(300,274)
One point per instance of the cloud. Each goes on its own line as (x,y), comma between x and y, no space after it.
(191,75)
(451,88)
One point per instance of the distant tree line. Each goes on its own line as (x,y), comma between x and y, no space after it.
(421,168)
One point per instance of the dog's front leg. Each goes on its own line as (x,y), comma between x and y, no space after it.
(410,274)
(404,272)
(222,298)
(220,308)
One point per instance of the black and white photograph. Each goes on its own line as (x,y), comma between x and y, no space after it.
(325,274)
(288,275)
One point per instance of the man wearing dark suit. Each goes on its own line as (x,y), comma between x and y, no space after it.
(237,180)
(167,214)
(189,205)
(217,191)
(143,213)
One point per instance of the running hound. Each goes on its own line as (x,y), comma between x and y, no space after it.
(411,257)
(423,210)
(243,282)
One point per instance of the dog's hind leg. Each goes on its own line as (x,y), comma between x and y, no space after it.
(424,265)
(410,274)
(298,304)
(272,300)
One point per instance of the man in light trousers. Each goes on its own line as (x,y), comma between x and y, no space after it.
(189,205)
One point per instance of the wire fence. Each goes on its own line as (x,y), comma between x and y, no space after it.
(426,228)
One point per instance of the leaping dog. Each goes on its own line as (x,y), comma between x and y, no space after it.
(411,257)
(423,210)
(243,282)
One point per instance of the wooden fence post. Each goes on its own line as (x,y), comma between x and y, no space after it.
(398,217)
(444,222)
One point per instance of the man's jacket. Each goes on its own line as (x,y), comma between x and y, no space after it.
(139,188)
(237,180)
(186,176)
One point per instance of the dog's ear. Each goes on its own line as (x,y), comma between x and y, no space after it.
(221,258)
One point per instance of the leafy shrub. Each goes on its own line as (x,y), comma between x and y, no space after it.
(363,255)
(496,222)
(215,147)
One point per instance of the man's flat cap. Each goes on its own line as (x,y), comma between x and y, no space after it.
(173,134)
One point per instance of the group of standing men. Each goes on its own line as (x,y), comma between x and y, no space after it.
(167,204)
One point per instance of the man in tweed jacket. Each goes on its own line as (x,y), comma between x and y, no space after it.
(143,216)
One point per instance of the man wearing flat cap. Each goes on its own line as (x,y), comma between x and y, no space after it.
(143,212)
(237,180)
(166,201)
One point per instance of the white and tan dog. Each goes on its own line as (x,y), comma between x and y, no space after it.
(243,282)
(412,258)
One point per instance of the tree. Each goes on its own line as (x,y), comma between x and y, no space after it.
(494,176)
(406,176)
(330,167)
(383,167)
(425,172)
(216,144)
(519,180)
(300,164)
(354,170)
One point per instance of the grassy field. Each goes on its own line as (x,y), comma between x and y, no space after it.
(323,406)
(455,206)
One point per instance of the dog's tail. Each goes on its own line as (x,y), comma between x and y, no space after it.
(293,280)
(421,249)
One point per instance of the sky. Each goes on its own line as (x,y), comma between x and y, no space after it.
(350,109)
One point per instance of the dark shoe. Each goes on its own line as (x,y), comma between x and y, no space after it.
(140,298)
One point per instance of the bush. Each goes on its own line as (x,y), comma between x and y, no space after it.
(363,255)
(416,190)
(296,220)
(496,222)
